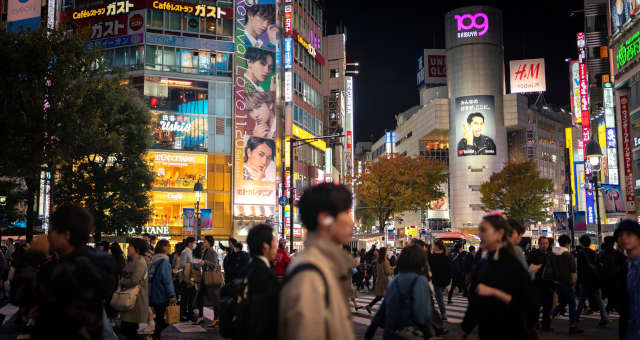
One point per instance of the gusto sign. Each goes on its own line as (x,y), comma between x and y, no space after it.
(472,25)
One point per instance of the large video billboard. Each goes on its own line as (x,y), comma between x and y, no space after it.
(475,126)
(621,12)
(255,120)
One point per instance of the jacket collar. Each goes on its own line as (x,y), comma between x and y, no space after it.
(339,260)
(159,257)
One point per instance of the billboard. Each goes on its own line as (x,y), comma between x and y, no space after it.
(613,199)
(206,220)
(560,220)
(627,154)
(23,14)
(432,67)
(254,145)
(622,11)
(575,92)
(440,207)
(474,125)
(579,221)
(188,220)
(527,75)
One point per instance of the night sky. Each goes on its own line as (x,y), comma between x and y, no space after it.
(385,37)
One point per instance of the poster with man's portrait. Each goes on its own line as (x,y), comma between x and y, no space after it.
(475,125)
(260,27)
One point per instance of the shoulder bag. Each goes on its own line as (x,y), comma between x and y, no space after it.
(124,300)
(213,278)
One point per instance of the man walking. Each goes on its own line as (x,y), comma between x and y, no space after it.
(564,267)
(589,279)
(457,258)
(440,274)
(543,281)
(312,302)
(626,296)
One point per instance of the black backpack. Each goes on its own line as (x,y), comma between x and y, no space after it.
(548,274)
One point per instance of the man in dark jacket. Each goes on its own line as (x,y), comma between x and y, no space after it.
(564,267)
(626,295)
(73,292)
(611,261)
(589,280)
(236,262)
(440,274)
(262,318)
(457,257)
(543,281)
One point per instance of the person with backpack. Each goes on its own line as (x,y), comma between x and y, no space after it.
(406,308)
(543,281)
(565,269)
(312,302)
(589,279)
(161,285)
(500,298)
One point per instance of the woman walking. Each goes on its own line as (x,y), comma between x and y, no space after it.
(406,307)
(208,295)
(135,274)
(500,290)
(383,271)
(162,289)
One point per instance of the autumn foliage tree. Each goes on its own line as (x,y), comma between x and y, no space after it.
(519,191)
(392,185)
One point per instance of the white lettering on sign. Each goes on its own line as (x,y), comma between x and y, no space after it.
(172,196)
(164,157)
(527,76)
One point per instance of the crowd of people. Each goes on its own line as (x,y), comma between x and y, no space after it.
(266,293)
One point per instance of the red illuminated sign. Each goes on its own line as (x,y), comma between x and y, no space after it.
(288,20)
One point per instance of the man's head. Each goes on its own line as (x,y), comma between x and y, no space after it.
(564,241)
(585,241)
(419,242)
(147,238)
(325,209)
(258,19)
(438,246)
(517,230)
(628,235)
(543,243)
(70,227)
(476,122)
(262,242)
(472,249)
(259,64)
(190,242)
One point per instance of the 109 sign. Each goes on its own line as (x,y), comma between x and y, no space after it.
(472,25)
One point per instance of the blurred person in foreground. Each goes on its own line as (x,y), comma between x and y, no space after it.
(626,295)
(499,304)
(403,308)
(312,302)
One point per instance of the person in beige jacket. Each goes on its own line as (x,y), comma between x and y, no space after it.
(312,302)
(134,274)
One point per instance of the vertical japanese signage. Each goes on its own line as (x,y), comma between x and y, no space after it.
(349,124)
(584,88)
(626,153)
(611,136)
(387,143)
(575,92)
(288,19)
(254,145)
(23,14)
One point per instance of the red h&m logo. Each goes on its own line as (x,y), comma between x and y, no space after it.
(532,73)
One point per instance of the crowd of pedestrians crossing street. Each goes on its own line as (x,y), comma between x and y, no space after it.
(258,290)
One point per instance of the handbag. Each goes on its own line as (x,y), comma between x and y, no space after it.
(124,300)
(172,315)
(213,278)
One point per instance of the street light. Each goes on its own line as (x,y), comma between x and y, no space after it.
(197,188)
(594,155)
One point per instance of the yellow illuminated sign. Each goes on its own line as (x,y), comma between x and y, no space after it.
(310,49)
(200,10)
(303,134)
(114,8)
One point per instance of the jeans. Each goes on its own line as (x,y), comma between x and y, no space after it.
(544,300)
(161,323)
(585,294)
(439,294)
(566,296)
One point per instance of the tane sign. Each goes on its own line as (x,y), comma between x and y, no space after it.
(472,25)
(527,75)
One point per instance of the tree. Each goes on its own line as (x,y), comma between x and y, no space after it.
(109,175)
(392,185)
(366,219)
(519,191)
(47,77)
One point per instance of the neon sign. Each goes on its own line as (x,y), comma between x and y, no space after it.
(628,50)
(310,49)
(472,25)
(200,10)
(114,8)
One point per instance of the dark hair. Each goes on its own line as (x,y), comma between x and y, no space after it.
(161,244)
(267,12)
(473,115)
(147,235)
(498,222)
(115,249)
(564,240)
(540,239)
(179,248)
(139,245)
(254,142)
(233,241)
(472,248)
(346,247)
(197,251)
(256,54)
(210,240)
(439,244)
(258,235)
(188,240)
(256,99)
(75,219)
(412,259)
(326,197)
(282,243)
(382,252)
(585,241)
(239,246)
(609,242)
(152,238)
(419,242)
(515,225)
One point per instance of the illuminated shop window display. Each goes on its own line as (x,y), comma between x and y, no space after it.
(179,131)
(177,170)
(168,207)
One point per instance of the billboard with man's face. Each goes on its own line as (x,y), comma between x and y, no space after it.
(474,125)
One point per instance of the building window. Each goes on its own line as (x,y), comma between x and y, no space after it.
(334,73)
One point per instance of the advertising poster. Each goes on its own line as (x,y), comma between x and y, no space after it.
(179,131)
(621,12)
(23,15)
(475,126)
(440,207)
(527,75)
(579,221)
(188,220)
(206,220)
(613,199)
(255,120)
(575,92)
(561,221)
